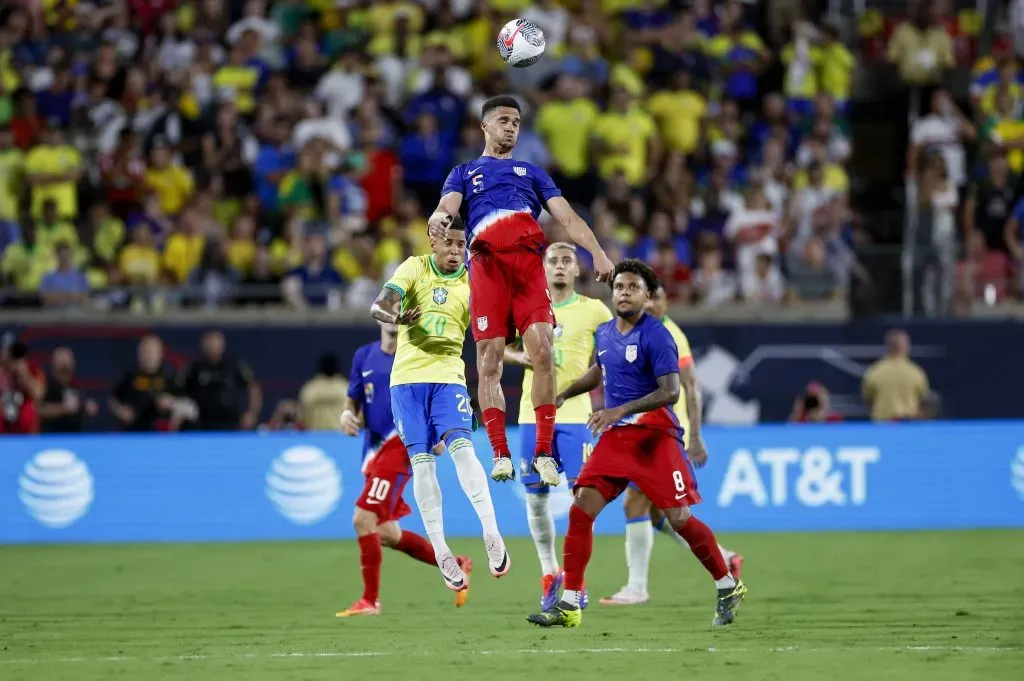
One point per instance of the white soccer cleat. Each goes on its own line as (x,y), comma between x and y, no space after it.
(503,470)
(497,555)
(454,578)
(547,468)
(625,596)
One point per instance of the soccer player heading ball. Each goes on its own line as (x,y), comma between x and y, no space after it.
(640,442)
(508,289)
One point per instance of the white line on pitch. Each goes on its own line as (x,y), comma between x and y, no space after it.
(521,651)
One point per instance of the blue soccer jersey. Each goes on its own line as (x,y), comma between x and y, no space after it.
(631,364)
(369,386)
(496,189)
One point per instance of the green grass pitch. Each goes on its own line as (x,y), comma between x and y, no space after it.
(821,607)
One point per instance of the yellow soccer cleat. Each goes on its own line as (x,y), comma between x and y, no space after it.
(561,614)
(467,566)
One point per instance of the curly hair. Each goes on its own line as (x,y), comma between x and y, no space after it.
(640,269)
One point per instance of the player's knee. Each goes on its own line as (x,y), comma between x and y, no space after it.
(542,354)
(364,522)
(677,517)
(635,503)
(489,356)
(458,443)
(390,534)
(589,500)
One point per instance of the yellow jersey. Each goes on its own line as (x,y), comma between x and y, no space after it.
(685,360)
(430,351)
(578,319)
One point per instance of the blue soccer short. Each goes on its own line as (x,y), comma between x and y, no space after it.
(571,445)
(424,412)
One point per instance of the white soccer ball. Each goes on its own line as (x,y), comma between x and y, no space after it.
(521,43)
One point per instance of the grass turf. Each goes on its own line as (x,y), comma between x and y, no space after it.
(836,606)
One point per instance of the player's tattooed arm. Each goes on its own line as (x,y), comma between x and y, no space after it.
(665,394)
(444,214)
(697,451)
(387,308)
(582,385)
(580,233)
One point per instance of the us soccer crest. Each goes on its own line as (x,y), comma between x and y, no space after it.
(558,331)
(440,295)
(368,391)
(481,323)
(519,170)
(630,353)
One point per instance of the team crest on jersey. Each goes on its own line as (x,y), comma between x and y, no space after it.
(630,353)
(440,295)
(519,170)
(558,331)
(481,323)
(368,392)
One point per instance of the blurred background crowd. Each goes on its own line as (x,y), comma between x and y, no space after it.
(156,154)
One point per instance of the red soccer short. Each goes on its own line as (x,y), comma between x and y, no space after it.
(650,458)
(386,476)
(508,291)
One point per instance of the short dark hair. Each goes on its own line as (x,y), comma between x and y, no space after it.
(499,101)
(640,269)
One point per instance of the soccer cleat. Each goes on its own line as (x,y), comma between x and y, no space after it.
(561,614)
(584,598)
(503,470)
(735,565)
(360,607)
(550,585)
(625,596)
(545,465)
(497,555)
(728,603)
(466,564)
(454,578)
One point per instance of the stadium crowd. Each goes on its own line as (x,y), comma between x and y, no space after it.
(172,152)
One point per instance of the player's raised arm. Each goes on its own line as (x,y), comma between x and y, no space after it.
(388,307)
(447,208)
(580,233)
(584,384)
(666,394)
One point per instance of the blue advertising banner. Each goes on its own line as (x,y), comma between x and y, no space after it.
(121,488)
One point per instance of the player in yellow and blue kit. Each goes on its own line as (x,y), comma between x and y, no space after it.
(428,297)
(578,318)
(640,513)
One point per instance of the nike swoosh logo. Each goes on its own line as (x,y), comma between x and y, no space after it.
(471,173)
(601,352)
(549,418)
(367,373)
(512,38)
(375,501)
(680,496)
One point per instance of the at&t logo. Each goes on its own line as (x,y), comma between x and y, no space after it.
(56,488)
(304,484)
(1017,473)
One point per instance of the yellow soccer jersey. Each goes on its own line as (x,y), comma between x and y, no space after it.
(431,350)
(685,360)
(578,319)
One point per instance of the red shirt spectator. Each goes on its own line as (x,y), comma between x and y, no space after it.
(379,180)
(813,406)
(21,384)
(148,13)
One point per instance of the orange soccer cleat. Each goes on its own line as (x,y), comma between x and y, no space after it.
(466,563)
(360,607)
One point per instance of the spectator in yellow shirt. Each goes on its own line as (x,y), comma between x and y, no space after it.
(25,262)
(107,233)
(171,182)
(1006,130)
(680,112)
(51,229)
(626,140)
(836,64)
(802,59)
(12,170)
(895,385)
(54,169)
(241,247)
(921,49)
(184,247)
(139,264)
(237,81)
(565,123)
(323,397)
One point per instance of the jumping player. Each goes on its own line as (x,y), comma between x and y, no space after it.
(387,470)
(639,538)
(640,442)
(578,319)
(428,297)
(503,199)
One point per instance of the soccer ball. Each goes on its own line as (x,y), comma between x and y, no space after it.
(521,43)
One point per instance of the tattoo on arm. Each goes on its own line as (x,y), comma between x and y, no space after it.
(385,308)
(583,384)
(667,393)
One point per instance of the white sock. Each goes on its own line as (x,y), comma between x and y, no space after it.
(474,483)
(428,498)
(542,529)
(571,597)
(726,582)
(664,526)
(639,543)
